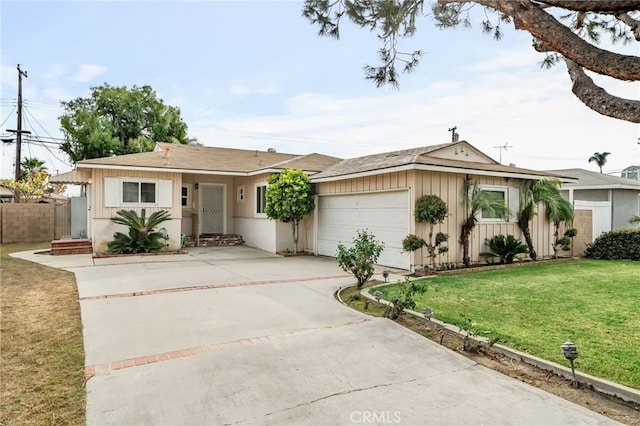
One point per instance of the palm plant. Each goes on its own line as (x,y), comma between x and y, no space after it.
(477,201)
(31,165)
(600,158)
(532,193)
(558,212)
(143,236)
(506,248)
(634,220)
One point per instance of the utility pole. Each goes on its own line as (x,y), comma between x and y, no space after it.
(19,130)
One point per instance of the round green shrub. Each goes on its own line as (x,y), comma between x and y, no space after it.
(431,209)
(619,244)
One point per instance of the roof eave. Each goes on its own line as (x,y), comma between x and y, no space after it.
(427,167)
(161,169)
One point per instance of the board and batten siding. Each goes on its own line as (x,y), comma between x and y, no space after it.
(100,209)
(102,228)
(448,186)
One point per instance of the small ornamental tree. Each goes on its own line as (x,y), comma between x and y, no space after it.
(360,257)
(289,199)
(432,210)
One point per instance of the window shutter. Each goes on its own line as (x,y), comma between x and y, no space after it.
(112,192)
(514,204)
(165,193)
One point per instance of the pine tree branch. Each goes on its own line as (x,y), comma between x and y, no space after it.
(620,6)
(634,24)
(598,99)
(531,17)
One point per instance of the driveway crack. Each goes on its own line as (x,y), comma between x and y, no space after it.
(313,401)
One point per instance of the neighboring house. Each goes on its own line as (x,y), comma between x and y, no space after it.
(610,201)
(6,195)
(221,191)
(631,172)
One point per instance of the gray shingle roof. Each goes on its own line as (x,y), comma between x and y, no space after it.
(589,178)
(419,156)
(212,159)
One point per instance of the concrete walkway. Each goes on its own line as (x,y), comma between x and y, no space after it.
(238,336)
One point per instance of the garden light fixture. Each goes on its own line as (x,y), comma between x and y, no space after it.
(428,313)
(570,351)
(385,274)
(377,295)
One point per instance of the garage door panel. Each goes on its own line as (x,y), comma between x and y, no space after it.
(385,215)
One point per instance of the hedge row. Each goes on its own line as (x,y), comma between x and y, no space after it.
(620,244)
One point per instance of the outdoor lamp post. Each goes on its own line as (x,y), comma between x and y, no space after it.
(385,274)
(570,351)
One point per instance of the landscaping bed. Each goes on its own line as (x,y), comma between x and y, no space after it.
(624,412)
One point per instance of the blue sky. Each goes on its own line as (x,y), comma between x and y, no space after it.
(255,75)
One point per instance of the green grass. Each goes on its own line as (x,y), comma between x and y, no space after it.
(536,308)
(41,350)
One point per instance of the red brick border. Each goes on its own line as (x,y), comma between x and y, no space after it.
(102,369)
(206,287)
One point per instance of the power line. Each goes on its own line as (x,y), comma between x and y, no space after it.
(5,120)
(36,120)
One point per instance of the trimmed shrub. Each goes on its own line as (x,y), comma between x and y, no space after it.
(620,244)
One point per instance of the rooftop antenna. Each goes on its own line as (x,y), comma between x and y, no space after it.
(505,147)
(454,136)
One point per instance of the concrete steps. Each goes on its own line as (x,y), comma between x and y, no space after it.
(71,246)
(214,240)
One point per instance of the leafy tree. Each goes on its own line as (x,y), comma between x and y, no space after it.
(634,220)
(117,120)
(533,192)
(143,236)
(289,199)
(31,165)
(29,189)
(476,201)
(562,30)
(505,248)
(600,158)
(360,258)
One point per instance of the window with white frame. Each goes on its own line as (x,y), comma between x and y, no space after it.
(493,195)
(134,192)
(261,199)
(508,195)
(138,192)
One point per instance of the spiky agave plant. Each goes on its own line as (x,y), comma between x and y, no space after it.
(143,236)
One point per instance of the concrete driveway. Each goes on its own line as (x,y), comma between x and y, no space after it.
(238,336)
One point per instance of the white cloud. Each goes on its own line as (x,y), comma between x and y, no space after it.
(88,72)
(239,89)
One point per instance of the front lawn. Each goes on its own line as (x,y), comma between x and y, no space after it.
(536,308)
(42,356)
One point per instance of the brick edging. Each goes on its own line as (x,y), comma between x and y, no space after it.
(604,386)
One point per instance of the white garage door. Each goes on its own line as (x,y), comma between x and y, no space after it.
(384,214)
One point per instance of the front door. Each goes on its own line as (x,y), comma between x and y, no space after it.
(212,208)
